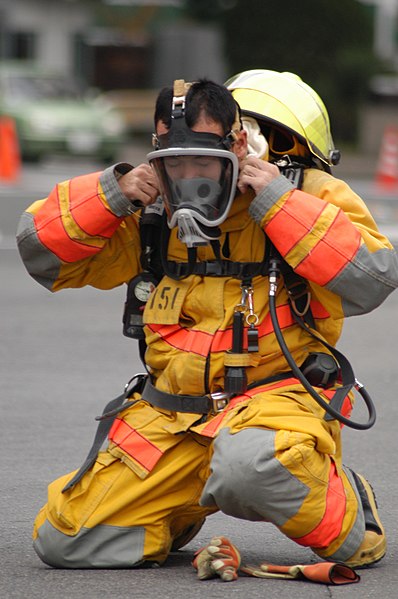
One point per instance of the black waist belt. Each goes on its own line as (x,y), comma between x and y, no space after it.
(191,404)
(201,404)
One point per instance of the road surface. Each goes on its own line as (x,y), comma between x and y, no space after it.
(63,356)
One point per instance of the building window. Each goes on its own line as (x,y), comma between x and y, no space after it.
(21,45)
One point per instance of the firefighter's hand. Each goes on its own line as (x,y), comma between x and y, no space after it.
(140,185)
(256,173)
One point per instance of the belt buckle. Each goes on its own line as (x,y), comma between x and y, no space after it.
(220,400)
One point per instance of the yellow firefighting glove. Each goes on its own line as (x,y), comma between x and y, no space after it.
(219,558)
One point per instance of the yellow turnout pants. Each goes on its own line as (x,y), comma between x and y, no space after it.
(269,456)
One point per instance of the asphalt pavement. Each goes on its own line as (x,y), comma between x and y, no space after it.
(63,356)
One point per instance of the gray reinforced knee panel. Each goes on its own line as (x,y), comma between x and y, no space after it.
(248,482)
(101,547)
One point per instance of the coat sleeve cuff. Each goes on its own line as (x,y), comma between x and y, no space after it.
(117,201)
(268,197)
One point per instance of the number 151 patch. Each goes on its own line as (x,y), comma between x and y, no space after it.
(165,303)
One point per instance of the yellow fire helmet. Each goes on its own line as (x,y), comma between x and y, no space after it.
(284,103)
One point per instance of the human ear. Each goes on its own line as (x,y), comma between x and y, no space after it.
(239,147)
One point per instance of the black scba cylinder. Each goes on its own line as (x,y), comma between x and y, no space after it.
(320,370)
(139,290)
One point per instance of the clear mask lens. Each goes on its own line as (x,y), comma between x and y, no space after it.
(199,183)
(200,194)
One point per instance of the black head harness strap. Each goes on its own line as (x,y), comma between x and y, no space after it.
(180,135)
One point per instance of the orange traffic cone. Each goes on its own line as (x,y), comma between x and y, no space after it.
(10,158)
(387,168)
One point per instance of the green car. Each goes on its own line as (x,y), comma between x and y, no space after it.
(53,116)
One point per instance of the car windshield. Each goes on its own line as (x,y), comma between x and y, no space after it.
(36,87)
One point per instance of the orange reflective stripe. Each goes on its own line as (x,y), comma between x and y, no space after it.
(269,387)
(87,205)
(223,339)
(201,343)
(189,340)
(318,310)
(295,219)
(330,526)
(334,251)
(58,230)
(134,444)
(214,424)
(53,235)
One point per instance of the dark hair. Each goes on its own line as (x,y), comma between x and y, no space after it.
(204,96)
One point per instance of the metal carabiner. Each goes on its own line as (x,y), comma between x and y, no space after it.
(251,318)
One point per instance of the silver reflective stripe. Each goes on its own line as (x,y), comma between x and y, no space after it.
(117,201)
(41,264)
(366,282)
(101,547)
(266,199)
(248,482)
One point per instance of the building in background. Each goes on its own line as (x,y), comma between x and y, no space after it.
(112,44)
(126,48)
(44,31)
(130,48)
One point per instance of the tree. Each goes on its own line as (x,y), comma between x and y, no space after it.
(329,44)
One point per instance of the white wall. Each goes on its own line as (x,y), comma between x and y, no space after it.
(55,23)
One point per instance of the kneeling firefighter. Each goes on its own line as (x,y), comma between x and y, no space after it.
(222,421)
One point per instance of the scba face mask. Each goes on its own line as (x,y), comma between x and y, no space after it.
(197,175)
(198,186)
